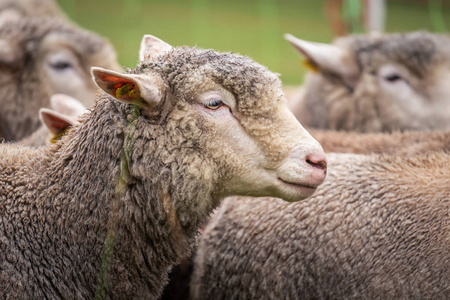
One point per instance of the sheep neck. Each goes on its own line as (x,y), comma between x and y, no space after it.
(121,185)
(140,223)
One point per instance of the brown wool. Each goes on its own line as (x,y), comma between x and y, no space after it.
(378,228)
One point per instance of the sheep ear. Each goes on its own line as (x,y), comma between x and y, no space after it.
(55,122)
(152,47)
(142,90)
(67,105)
(324,57)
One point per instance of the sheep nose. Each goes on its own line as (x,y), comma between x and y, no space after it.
(318,161)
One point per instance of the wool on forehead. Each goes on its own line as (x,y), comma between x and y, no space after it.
(184,68)
(417,51)
(30,32)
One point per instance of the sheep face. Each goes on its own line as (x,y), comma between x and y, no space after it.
(42,57)
(377,83)
(65,66)
(225,113)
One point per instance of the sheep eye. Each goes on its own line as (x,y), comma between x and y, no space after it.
(213,104)
(393,77)
(60,65)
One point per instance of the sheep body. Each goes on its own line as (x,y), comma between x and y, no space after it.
(117,201)
(398,143)
(378,228)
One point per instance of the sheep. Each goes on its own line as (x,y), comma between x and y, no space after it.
(406,143)
(40,57)
(375,83)
(107,210)
(64,114)
(377,228)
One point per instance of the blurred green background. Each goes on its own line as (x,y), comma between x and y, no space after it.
(250,27)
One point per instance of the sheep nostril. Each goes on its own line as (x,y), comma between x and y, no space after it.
(317,160)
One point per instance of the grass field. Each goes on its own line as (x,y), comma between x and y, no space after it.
(250,27)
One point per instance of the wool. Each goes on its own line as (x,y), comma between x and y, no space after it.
(406,143)
(376,229)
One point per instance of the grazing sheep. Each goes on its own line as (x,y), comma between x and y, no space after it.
(41,57)
(109,208)
(399,143)
(376,83)
(377,228)
(64,114)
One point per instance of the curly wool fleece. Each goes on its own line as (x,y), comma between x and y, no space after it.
(57,202)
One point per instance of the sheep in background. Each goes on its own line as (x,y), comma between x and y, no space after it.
(376,83)
(63,114)
(117,201)
(41,57)
(377,228)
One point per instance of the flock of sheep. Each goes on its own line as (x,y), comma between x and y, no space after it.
(107,176)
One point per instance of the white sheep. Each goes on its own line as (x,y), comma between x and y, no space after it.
(378,228)
(40,57)
(376,83)
(108,209)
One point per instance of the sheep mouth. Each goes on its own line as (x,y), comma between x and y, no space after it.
(298,185)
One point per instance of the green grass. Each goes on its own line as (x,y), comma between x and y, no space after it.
(250,27)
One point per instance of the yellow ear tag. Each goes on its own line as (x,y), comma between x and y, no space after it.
(58,136)
(126,89)
(310,65)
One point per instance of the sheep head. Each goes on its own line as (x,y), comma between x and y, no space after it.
(377,82)
(224,120)
(41,57)
(66,62)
